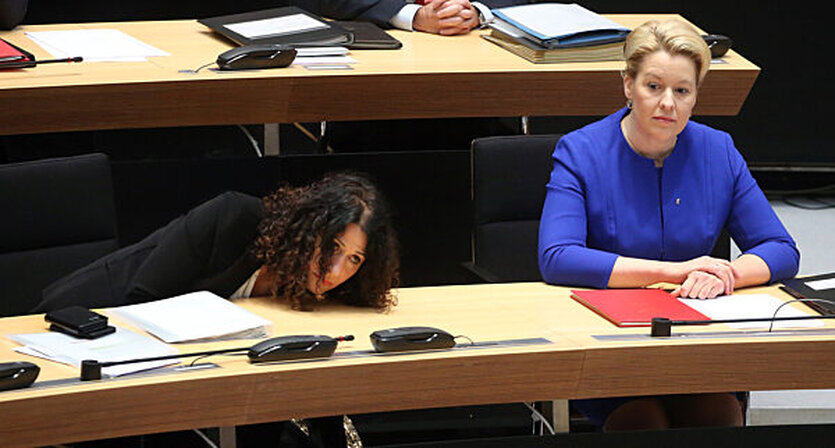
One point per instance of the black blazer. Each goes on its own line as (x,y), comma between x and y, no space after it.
(376,11)
(209,248)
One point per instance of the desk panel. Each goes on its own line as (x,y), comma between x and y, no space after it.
(574,365)
(431,77)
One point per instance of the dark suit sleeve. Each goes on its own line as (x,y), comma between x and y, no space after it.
(12,13)
(205,242)
(174,260)
(378,12)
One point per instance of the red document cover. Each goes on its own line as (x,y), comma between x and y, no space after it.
(636,307)
(9,53)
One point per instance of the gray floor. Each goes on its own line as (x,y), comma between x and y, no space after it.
(814,232)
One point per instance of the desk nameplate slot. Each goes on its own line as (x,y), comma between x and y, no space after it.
(716,335)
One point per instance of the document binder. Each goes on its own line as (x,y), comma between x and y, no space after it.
(368,36)
(635,307)
(12,56)
(820,287)
(289,25)
(555,25)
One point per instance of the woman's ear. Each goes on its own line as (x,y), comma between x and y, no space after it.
(628,82)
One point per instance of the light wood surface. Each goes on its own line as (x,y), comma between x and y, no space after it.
(430,77)
(574,365)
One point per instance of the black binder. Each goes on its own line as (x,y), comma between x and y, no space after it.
(368,36)
(798,287)
(330,34)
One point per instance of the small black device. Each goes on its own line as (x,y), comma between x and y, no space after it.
(79,322)
(17,374)
(718,44)
(411,338)
(284,348)
(256,56)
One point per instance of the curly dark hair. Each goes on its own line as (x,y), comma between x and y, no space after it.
(299,221)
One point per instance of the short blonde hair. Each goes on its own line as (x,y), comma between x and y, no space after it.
(672,36)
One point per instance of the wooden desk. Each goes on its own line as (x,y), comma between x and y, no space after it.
(431,77)
(574,365)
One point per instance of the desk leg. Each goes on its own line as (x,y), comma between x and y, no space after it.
(226,436)
(271,139)
(557,413)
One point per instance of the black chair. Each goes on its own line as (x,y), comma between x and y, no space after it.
(57,216)
(509,176)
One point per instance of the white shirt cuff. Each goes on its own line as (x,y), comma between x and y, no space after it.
(403,19)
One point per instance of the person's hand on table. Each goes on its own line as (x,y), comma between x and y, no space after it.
(705,278)
(446,17)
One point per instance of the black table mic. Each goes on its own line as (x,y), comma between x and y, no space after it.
(662,326)
(280,348)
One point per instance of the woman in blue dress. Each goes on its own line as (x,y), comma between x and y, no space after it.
(641,197)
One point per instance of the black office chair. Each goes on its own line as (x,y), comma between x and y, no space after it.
(57,216)
(509,176)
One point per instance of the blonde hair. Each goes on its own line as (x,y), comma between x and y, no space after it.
(672,36)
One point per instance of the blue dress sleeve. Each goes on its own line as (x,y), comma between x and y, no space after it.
(564,257)
(754,226)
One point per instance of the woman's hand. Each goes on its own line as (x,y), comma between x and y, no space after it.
(720,269)
(700,285)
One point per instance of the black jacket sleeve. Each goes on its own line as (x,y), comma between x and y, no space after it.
(195,251)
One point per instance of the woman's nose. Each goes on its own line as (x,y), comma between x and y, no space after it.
(667,99)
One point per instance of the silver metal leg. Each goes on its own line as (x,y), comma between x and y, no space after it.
(271,139)
(227,437)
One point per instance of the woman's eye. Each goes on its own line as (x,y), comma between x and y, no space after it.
(683,91)
(355,259)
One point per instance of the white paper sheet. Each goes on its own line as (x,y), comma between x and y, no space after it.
(193,317)
(121,345)
(750,306)
(276,26)
(94,45)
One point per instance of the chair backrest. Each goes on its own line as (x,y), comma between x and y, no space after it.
(509,178)
(57,216)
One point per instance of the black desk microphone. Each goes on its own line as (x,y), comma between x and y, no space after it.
(282,348)
(662,327)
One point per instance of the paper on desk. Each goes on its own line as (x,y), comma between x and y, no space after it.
(323,60)
(750,306)
(94,45)
(196,316)
(276,26)
(121,345)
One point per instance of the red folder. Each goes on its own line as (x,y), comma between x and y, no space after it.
(9,53)
(636,307)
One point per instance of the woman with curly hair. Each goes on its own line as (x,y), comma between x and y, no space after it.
(331,240)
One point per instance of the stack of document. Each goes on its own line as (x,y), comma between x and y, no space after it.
(555,32)
(121,345)
(195,317)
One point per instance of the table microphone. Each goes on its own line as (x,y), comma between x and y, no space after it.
(282,348)
(662,326)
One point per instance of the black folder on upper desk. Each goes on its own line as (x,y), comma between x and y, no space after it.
(368,36)
(289,26)
(820,287)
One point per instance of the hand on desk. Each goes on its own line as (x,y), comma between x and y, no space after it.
(446,17)
(705,278)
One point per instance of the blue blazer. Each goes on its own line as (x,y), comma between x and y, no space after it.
(603,200)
